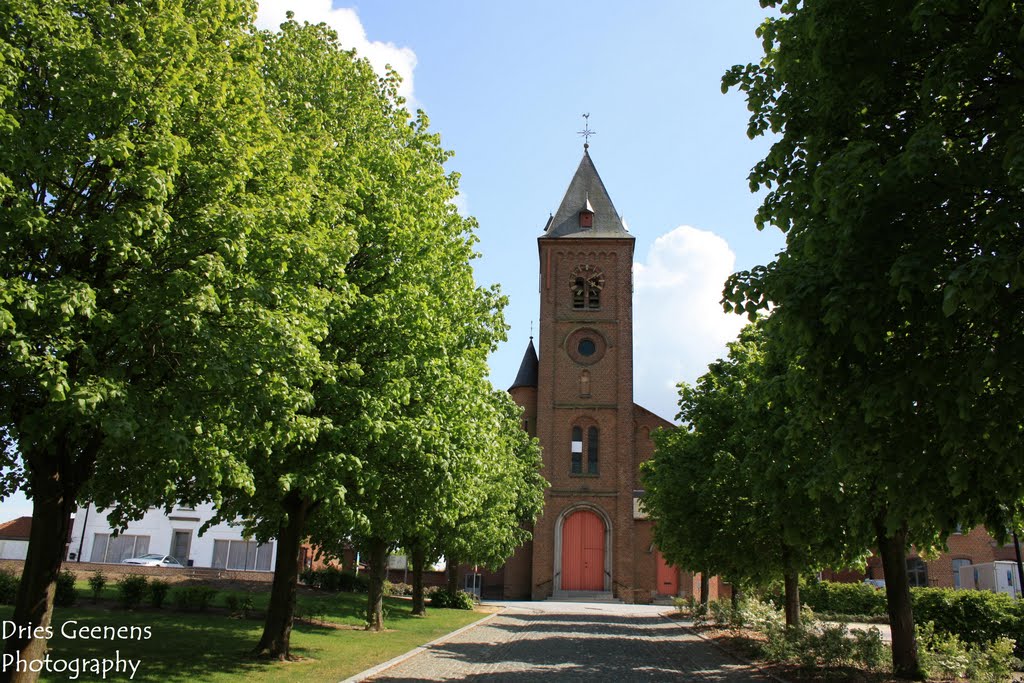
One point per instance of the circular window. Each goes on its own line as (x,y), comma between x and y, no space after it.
(586,346)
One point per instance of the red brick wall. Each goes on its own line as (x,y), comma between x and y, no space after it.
(977,545)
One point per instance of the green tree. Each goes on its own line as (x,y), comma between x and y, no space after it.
(403,335)
(897,180)
(495,504)
(127,137)
(751,475)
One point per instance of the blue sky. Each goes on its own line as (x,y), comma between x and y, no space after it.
(505,84)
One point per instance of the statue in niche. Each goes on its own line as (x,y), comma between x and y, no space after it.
(585,383)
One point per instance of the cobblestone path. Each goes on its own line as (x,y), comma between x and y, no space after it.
(574,642)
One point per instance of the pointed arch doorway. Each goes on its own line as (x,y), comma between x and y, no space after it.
(583,552)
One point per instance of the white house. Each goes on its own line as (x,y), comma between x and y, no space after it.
(14,538)
(177,534)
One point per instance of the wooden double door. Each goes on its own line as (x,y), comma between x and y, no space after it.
(583,552)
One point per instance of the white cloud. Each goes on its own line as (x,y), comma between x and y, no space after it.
(351,34)
(678,323)
(461,203)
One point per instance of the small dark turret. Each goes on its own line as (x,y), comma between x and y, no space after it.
(527,376)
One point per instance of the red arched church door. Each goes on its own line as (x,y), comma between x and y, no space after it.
(583,552)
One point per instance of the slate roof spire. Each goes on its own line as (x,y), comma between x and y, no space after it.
(586,192)
(527,376)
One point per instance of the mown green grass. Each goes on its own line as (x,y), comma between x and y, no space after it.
(214,646)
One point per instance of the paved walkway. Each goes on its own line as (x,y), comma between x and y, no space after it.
(558,641)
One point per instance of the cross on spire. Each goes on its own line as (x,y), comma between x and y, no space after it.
(586,132)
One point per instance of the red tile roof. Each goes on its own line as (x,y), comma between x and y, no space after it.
(16,529)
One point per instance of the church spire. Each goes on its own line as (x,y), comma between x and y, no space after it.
(527,376)
(587,194)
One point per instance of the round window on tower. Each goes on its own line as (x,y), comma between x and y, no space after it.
(586,346)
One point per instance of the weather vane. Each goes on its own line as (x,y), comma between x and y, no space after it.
(586,132)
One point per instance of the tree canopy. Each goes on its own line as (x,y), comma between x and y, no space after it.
(897,180)
(756,480)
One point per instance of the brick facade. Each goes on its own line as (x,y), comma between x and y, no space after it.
(580,386)
(977,546)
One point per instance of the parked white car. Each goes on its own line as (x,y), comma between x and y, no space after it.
(153,560)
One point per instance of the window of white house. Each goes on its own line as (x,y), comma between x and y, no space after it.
(243,555)
(112,549)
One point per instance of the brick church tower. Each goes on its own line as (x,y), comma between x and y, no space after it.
(577,395)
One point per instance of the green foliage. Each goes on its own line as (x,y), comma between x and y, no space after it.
(724,614)
(97,582)
(332,579)
(896,178)
(868,648)
(975,617)
(398,589)
(8,587)
(65,594)
(158,592)
(193,597)
(946,654)
(241,605)
(458,600)
(132,589)
(750,472)
(843,598)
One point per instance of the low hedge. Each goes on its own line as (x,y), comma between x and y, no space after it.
(334,579)
(974,616)
(843,598)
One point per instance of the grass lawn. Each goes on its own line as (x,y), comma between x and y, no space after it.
(190,646)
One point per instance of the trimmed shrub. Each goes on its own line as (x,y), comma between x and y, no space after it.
(158,592)
(194,597)
(8,587)
(398,588)
(334,579)
(843,598)
(65,594)
(132,589)
(97,582)
(444,599)
(976,617)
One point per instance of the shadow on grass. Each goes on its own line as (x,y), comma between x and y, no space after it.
(191,646)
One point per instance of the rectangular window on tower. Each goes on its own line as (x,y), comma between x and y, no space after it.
(592,450)
(577,450)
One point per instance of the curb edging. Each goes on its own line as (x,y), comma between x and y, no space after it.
(374,670)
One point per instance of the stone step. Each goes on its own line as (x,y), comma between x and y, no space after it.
(585,596)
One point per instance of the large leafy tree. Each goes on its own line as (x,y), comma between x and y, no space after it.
(495,503)
(127,138)
(897,179)
(404,333)
(752,475)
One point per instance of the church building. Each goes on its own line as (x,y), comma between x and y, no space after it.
(592,539)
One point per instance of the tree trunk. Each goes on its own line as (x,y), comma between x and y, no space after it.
(53,500)
(892,548)
(277,628)
(705,588)
(375,598)
(419,556)
(453,575)
(791,583)
(735,597)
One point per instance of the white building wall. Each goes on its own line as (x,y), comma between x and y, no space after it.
(160,528)
(13,550)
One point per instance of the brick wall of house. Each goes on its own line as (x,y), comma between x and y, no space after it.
(83,570)
(977,545)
